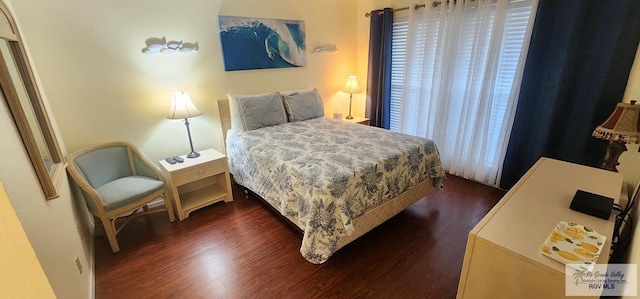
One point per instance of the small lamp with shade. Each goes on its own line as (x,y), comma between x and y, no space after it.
(622,127)
(351,87)
(183,107)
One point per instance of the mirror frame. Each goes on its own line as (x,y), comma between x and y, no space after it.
(50,179)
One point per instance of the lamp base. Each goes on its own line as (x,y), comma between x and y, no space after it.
(350,101)
(192,154)
(614,150)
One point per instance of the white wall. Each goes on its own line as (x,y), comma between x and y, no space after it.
(22,275)
(55,228)
(102,88)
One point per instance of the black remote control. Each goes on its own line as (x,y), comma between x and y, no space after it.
(171,160)
(178,159)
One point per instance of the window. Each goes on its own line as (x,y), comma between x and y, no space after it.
(398,58)
(452,76)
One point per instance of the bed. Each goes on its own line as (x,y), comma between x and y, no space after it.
(334,180)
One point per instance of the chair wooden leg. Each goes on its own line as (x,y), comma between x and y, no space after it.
(110,231)
(169,206)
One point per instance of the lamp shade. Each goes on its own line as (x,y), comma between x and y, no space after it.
(622,125)
(182,106)
(352,85)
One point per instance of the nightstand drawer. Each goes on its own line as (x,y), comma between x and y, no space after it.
(199,171)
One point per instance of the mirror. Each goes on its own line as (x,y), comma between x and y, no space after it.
(23,97)
(19,90)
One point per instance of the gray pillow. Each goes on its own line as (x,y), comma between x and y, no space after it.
(295,91)
(303,105)
(250,112)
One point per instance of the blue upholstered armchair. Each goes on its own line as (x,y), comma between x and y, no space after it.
(117,180)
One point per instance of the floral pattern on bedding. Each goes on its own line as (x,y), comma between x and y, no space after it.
(322,173)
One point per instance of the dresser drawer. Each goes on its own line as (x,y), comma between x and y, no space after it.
(199,171)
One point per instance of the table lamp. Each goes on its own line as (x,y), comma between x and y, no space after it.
(183,107)
(351,87)
(619,129)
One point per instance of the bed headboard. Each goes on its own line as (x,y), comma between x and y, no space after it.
(225,118)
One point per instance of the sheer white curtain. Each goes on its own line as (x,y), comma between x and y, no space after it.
(462,75)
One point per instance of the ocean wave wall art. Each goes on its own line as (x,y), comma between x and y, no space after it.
(254,43)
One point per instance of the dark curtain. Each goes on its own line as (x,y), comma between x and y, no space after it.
(576,71)
(379,76)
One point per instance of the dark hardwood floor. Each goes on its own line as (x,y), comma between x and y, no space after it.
(243,250)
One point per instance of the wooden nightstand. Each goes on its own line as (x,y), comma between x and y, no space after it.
(198,182)
(357,120)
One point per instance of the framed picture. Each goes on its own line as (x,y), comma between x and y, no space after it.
(254,43)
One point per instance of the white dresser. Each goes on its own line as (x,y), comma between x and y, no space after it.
(502,258)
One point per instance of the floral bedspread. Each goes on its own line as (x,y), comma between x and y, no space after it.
(322,173)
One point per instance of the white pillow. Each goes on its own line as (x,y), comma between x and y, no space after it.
(250,112)
(303,105)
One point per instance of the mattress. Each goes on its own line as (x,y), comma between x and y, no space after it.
(323,173)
